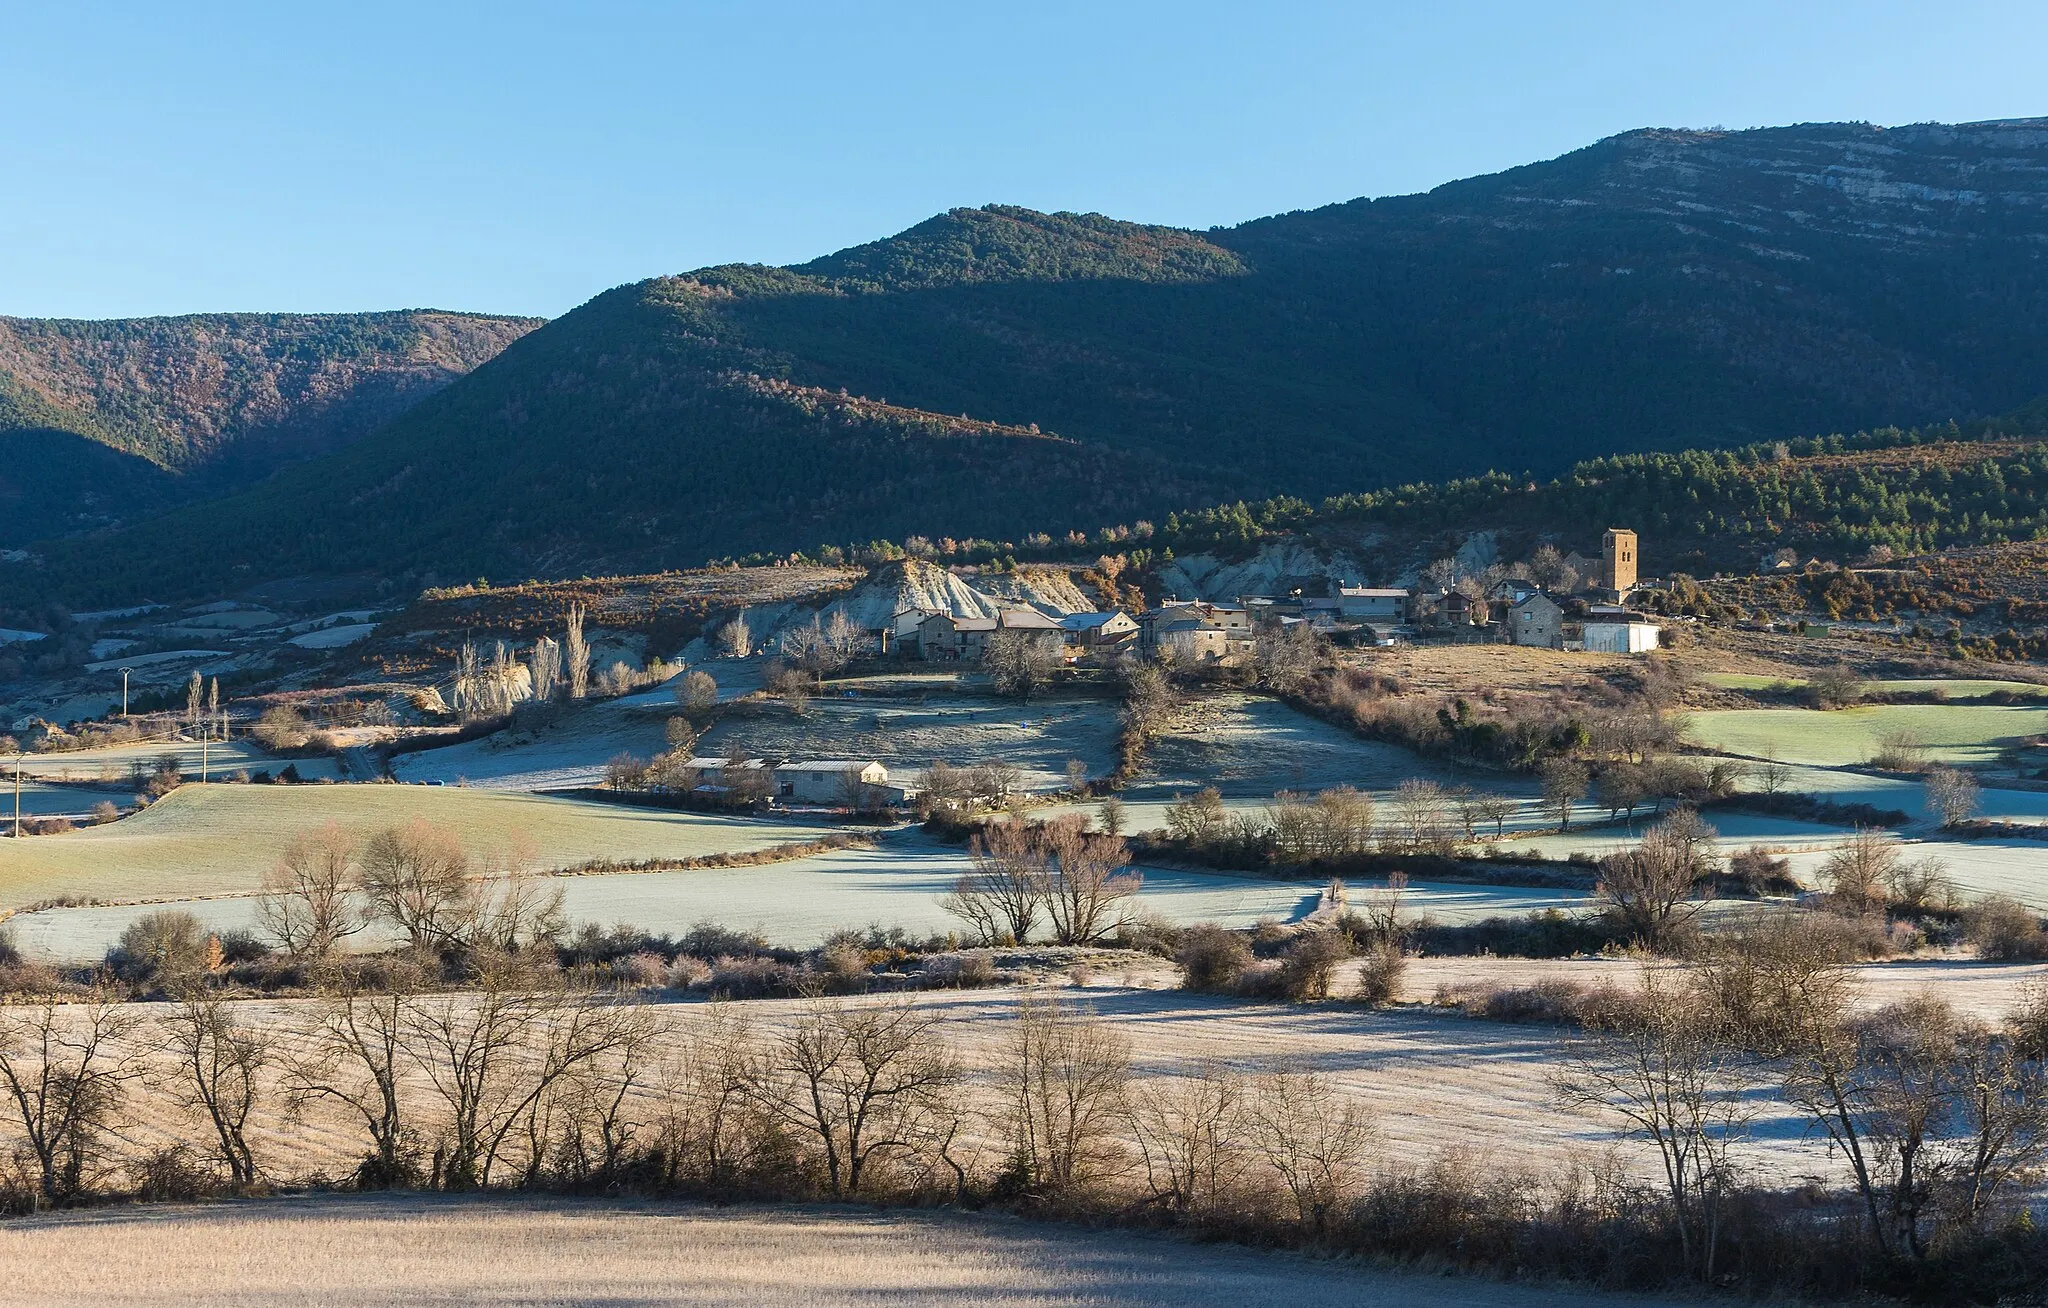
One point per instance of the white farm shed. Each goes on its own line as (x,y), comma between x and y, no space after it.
(827,781)
(1621,637)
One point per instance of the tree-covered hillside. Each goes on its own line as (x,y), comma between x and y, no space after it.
(203,403)
(1903,491)
(1656,291)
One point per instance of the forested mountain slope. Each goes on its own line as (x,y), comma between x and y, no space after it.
(103,421)
(1659,290)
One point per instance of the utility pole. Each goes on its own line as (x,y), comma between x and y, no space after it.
(17,796)
(124,691)
(204,738)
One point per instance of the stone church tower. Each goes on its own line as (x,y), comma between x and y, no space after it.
(1618,561)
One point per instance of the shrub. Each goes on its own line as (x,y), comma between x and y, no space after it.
(159,946)
(1379,976)
(105,812)
(1546,934)
(1834,687)
(687,971)
(1859,935)
(1762,872)
(2005,929)
(1212,958)
(1900,751)
(243,946)
(1310,964)
(282,727)
(966,971)
(174,1174)
(643,970)
(1558,1002)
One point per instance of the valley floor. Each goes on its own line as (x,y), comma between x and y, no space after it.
(345,1251)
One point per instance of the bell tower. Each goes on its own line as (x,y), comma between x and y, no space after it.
(1618,561)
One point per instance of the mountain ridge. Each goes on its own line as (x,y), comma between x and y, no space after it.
(1661,289)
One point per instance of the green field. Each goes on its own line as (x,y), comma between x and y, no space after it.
(218,840)
(1954,687)
(1952,733)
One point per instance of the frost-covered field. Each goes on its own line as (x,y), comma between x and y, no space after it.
(1251,746)
(352,1252)
(215,840)
(116,764)
(1955,733)
(908,724)
(42,800)
(798,903)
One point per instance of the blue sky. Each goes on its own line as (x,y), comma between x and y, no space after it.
(168,158)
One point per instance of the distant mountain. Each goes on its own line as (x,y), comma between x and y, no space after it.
(105,421)
(996,371)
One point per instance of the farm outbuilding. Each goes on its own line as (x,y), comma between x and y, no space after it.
(1621,635)
(829,781)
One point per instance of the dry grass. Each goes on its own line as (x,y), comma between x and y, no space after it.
(417,1250)
(1463,669)
(1434,1082)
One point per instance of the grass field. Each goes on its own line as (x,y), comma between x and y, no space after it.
(216,840)
(798,903)
(514,1253)
(116,763)
(1954,733)
(1954,687)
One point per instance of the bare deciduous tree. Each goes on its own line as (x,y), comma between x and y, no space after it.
(220,1067)
(723,1122)
(1422,818)
(1564,784)
(1063,1087)
(1662,1062)
(66,1068)
(547,669)
(354,1058)
(417,877)
(310,895)
(1109,815)
(1314,1138)
(1952,794)
(1190,1137)
(1288,657)
(864,1085)
(1000,899)
(1088,880)
(735,639)
(1496,809)
(1858,875)
(1648,890)
(491,1055)
(696,691)
(1021,663)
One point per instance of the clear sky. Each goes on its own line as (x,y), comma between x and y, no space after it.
(515,157)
